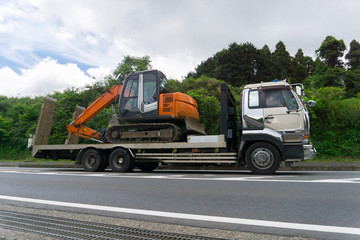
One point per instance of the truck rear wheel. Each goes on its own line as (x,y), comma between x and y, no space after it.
(93,161)
(147,166)
(262,158)
(121,161)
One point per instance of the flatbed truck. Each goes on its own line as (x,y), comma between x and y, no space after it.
(273,126)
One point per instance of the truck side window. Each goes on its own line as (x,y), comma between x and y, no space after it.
(254,100)
(290,100)
(274,98)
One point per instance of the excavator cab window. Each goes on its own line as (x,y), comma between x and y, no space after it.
(162,83)
(150,95)
(129,100)
(150,90)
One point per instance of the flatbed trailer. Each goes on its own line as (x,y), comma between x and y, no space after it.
(175,152)
(241,141)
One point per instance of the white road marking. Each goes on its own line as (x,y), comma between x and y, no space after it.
(196,217)
(203,177)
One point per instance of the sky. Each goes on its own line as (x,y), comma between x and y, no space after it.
(51,45)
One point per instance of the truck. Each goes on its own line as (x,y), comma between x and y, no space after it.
(271,125)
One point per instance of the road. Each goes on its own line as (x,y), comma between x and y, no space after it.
(322,205)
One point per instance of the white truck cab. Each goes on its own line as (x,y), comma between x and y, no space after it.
(275,126)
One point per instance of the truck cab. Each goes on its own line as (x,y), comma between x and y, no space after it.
(275,126)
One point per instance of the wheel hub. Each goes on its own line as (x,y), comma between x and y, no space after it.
(120,160)
(262,158)
(92,161)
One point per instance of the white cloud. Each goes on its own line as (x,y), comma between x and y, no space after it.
(46,77)
(99,73)
(177,35)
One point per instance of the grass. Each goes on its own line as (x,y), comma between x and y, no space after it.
(337,159)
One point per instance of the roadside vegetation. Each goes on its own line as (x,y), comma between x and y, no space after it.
(332,83)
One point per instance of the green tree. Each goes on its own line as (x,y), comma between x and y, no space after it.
(206,67)
(128,65)
(300,70)
(265,70)
(282,61)
(353,56)
(352,82)
(238,64)
(15,125)
(174,85)
(335,122)
(330,77)
(330,51)
(209,110)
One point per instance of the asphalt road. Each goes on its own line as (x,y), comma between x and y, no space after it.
(324,205)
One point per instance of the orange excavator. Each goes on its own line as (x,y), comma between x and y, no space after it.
(147,112)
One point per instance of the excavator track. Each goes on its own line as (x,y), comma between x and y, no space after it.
(143,133)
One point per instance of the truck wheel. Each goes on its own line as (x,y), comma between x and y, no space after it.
(121,161)
(93,161)
(262,158)
(148,166)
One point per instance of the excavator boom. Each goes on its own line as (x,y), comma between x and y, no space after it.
(77,127)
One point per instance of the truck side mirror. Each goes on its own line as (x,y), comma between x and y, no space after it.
(311,103)
(298,91)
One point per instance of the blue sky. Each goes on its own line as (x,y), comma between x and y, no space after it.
(50,45)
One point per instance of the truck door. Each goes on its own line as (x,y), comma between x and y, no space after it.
(282,111)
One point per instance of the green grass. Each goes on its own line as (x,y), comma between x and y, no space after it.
(334,159)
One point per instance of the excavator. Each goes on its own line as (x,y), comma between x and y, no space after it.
(147,112)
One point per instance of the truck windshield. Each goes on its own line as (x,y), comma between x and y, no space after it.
(290,100)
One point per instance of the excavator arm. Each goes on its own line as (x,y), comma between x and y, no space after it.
(77,126)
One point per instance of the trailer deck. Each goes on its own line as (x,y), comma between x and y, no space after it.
(203,149)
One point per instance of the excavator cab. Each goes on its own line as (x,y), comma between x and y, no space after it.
(139,98)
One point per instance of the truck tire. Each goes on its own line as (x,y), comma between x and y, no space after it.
(93,160)
(121,161)
(262,158)
(147,166)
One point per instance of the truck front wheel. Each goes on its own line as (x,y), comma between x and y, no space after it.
(262,158)
(121,161)
(93,161)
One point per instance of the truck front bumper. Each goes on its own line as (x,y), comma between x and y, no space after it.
(309,152)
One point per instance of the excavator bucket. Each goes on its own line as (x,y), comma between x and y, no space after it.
(193,126)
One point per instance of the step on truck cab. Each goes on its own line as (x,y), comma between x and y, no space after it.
(273,126)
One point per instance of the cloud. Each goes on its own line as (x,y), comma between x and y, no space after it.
(177,35)
(46,77)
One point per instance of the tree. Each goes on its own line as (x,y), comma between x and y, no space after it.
(300,71)
(282,61)
(238,64)
(330,51)
(352,82)
(265,68)
(353,55)
(129,64)
(206,67)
